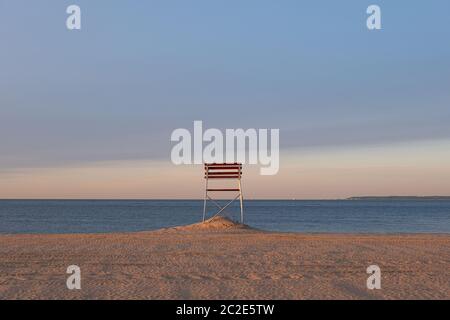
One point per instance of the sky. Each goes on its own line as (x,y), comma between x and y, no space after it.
(89,113)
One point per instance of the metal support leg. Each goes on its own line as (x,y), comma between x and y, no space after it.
(223,208)
(204,202)
(241,198)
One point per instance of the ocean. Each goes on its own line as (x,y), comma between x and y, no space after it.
(311,216)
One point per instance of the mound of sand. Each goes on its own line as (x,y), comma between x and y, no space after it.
(215,223)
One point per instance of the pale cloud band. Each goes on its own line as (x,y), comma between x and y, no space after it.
(403,169)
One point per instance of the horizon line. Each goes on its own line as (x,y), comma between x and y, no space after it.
(201,199)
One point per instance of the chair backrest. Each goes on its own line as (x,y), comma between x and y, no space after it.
(223,170)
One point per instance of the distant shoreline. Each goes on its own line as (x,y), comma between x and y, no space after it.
(367,198)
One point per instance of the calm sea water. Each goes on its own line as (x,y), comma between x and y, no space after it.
(100,216)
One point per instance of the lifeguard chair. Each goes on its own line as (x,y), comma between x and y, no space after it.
(223,171)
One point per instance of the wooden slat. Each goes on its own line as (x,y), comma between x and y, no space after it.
(223,189)
(219,173)
(222,177)
(224,164)
(224,173)
(223,170)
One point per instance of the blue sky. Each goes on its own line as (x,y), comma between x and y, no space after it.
(139,69)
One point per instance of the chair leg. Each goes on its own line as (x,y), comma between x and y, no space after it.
(204,202)
(241,198)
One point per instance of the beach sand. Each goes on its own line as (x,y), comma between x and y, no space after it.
(223,260)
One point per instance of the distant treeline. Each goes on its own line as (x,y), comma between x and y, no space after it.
(401,198)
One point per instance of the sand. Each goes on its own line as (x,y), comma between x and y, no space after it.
(224,260)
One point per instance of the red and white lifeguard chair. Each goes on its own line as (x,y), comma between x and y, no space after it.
(230,171)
